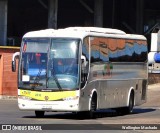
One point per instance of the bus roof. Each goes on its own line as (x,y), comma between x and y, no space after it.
(81,32)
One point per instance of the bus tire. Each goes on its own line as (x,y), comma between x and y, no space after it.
(129,108)
(93,107)
(39,114)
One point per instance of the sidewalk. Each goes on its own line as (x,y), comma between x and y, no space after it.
(154,86)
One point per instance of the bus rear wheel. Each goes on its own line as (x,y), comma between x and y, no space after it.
(39,114)
(129,108)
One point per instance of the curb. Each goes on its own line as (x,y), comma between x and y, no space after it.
(8,97)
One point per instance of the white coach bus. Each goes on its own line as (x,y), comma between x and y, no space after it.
(81,69)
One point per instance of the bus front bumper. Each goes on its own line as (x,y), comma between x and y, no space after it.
(69,105)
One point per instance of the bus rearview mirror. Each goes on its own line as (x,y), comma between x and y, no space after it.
(13,66)
(14,57)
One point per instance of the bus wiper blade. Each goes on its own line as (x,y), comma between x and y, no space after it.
(55,79)
(57,82)
(37,79)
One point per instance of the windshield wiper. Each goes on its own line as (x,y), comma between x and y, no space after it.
(37,79)
(55,79)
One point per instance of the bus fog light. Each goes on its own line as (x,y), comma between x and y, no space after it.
(73,105)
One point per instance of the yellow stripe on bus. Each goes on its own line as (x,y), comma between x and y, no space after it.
(49,96)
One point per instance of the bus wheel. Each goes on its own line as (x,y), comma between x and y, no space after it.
(93,107)
(129,109)
(39,114)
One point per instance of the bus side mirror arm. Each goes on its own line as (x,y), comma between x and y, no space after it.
(14,57)
(83,72)
(84,62)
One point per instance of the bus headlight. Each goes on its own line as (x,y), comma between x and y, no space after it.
(70,98)
(24,97)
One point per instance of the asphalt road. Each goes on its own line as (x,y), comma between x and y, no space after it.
(148,113)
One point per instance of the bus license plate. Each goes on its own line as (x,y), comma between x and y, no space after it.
(47,107)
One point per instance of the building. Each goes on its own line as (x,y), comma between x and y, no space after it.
(8,79)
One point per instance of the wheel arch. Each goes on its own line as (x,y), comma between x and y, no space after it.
(93,96)
(131,92)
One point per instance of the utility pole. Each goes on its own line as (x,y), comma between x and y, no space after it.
(52,13)
(98,13)
(3,22)
(139,16)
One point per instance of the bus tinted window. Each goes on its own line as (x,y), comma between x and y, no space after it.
(129,51)
(35,45)
(85,48)
(99,49)
(118,50)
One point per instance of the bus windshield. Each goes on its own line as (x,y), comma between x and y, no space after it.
(49,64)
